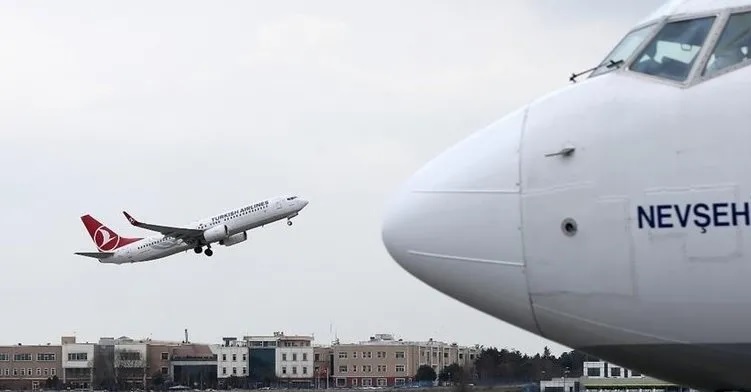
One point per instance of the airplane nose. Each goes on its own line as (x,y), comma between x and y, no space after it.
(303,203)
(456,224)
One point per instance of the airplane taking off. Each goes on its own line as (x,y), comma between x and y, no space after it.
(227,229)
(611,216)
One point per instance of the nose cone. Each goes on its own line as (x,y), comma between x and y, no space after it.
(303,203)
(456,224)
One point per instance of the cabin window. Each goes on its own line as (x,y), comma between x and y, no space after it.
(733,45)
(672,52)
(624,50)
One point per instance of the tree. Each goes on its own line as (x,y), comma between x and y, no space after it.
(452,373)
(425,373)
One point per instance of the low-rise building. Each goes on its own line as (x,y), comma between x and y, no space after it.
(193,365)
(77,363)
(383,361)
(29,367)
(232,361)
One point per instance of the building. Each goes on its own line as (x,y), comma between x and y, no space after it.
(77,363)
(262,366)
(601,376)
(158,359)
(323,361)
(130,363)
(232,361)
(29,367)
(193,365)
(383,361)
(293,357)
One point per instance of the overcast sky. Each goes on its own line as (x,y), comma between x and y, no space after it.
(177,110)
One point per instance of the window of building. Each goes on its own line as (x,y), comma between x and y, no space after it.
(284,357)
(305,356)
(445,355)
(294,356)
(73,357)
(234,357)
(224,357)
(317,357)
(15,372)
(304,370)
(165,356)
(39,371)
(399,354)
(615,372)
(284,370)
(399,382)
(53,371)
(367,368)
(367,382)
(294,369)
(635,374)
(165,370)
(245,357)
(245,370)
(400,369)
(4,357)
(22,357)
(593,372)
(382,382)
(343,368)
(342,355)
(224,370)
(23,372)
(45,357)
(733,46)
(672,53)
(46,371)
(234,370)
(354,382)
(354,368)
(461,356)
(130,356)
(367,354)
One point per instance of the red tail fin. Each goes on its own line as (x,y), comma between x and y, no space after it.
(105,239)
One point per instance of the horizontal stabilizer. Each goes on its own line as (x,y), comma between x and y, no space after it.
(96,255)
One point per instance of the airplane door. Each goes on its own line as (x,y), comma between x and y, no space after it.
(575,219)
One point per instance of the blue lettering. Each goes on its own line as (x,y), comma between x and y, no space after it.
(663,213)
(683,219)
(644,217)
(717,214)
(744,213)
(701,211)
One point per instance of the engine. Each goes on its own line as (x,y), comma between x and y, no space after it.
(216,233)
(234,239)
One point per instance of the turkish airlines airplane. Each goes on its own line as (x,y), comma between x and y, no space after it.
(227,229)
(611,216)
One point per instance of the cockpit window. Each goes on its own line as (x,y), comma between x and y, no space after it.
(292,198)
(672,53)
(733,45)
(624,49)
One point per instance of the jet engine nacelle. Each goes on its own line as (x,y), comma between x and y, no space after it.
(216,233)
(234,239)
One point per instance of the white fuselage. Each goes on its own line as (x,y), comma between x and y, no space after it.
(237,221)
(611,216)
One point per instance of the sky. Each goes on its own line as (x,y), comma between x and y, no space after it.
(179,110)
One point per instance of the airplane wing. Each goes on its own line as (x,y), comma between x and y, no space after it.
(96,255)
(174,232)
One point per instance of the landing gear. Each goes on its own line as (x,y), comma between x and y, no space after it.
(208,251)
(289,222)
(197,249)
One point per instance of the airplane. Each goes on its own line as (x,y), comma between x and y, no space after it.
(611,215)
(228,228)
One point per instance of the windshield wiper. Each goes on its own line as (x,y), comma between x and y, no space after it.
(611,64)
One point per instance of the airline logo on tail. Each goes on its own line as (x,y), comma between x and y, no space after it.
(105,239)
